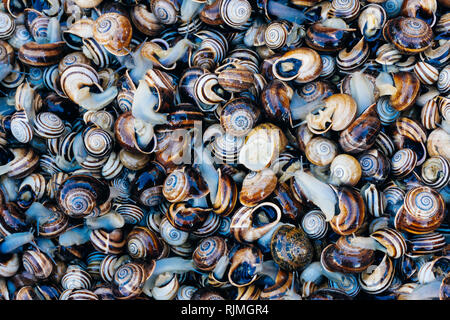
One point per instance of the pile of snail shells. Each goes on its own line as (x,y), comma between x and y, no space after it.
(224,149)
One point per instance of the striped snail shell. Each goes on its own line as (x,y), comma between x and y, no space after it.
(129,279)
(171,235)
(112,167)
(239,116)
(166,286)
(301,65)
(98,142)
(114,32)
(96,52)
(26,293)
(403,162)
(345,170)
(328,66)
(353,57)
(36,183)
(78,294)
(437,143)
(443,83)
(72,58)
(426,73)
(350,286)
(387,54)
(342,256)
(409,35)
(373,198)
(187,217)
(14,79)
(184,184)
(344,9)
(392,240)
(54,182)
(208,91)
(102,119)
(235,13)
(227,194)
(48,125)
(142,243)
(257,186)
(37,263)
(393,197)
(375,167)
(209,252)
(94,261)
(185,292)
(76,277)
(276,33)
(352,212)
(425,244)
(314,224)
(234,77)
(436,172)
(423,211)
(145,21)
(166,11)
(378,278)
(8,26)
(21,127)
(433,270)
(242,271)
(55,224)
(209,227)
(108,242)
(386,112)
(23,164)
(110,264)
(251,292)
(42,55)
(131,213)
(321,151)
(79,195)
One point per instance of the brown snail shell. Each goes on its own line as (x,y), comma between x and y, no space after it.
(37,263)
(345,170)
(392,240)
(327,38)
(42,55)
(227,194)
(378,278)
(243,221)
(129,279)
(257,186)
(208,253)
(343,257)
(145,21)
(23,164)
(403,162)
(437,143)
(352,212)
(321,151)
(114,31)
(108,242)
(142,243)
(435,172)
(422,211)
(183,184)
(234,77)
(409,35)
(291,248)
(407,85)
(345,9)
(239,116)
(125,133)
(186,217)
(361,134)
(243,264)
(301,65)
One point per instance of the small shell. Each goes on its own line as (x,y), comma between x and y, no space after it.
(257,186)
(392,240)
(321,151)
(378,278)
(302,65)
(443,83)
(345,170)
(403,162)
(375,166)
(436,172)
(353,57)
(142,243)
(373,198)
(76,277)
(48,125)
(345,9)
(314,224)
(426,73)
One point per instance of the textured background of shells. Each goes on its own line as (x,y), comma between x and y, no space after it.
(101,103)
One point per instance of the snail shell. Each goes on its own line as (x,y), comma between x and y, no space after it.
(227,194)
(321,151)
(392,240)
(166,11)
(129,279)
(378,278)
(422,211)
(239,116)
(437,143)
(48,125)
(353,57)
(235,78)
(436,172)
(23,164)
(243,264)
(409,35)
(37,263)
(184,184)
(143,243)
(345,9)
(375,167)
(314,224)
(443,83)
(21,128)
(76,277)
(302,65)
(373,198)
(328,37)
(42,55)
(145,21)
(291,248)
(114,31)
(108,242)
(235,13)
(345,170)
(8,26)
(429,243)
(257,186)
(186,217)
(343,257)
(426,73)
(352,212)
(403,162)
(371,21)
(209,252)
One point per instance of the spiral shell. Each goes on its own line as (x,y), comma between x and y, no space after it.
(423,211)
(392,240)
(171,235)
(345,170)
(76,277)
(403,162)
(98,142)
(353,57)
(37,263)
(373,198)
(7,24)
(143,243)
(48,125)
(409,35)
(235,13)
(257,186)
(387,54)
(345,9)
(352,212)
(426,73)
(165,11)
(429,243)
(21,127)
(371,21)
(436,172)
(321,151)
(314,224)
(302,65)
(208,253)
(375,167)
(386,112)
(129,280)
(114,31)
(239,116)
